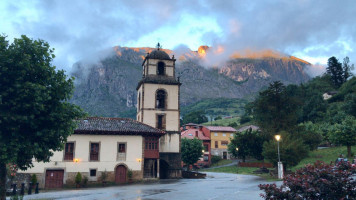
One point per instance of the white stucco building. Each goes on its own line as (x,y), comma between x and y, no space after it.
(148,147)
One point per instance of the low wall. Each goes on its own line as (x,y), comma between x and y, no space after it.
(259,165)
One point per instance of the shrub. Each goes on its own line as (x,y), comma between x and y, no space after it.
(34,179)
(245,119)
(78,178)
(233,124)
(215,159)
(318,181)
(104,176)
(292,150)
(129,174)
(85,181)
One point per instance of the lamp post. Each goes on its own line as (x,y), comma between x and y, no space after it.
(278,137)
(237,149)
(280,165)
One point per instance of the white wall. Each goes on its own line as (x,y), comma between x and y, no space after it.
(150,92)
(108,154)
(169,143)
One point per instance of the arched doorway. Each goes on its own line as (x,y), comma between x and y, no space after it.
(120,174)
(163,169)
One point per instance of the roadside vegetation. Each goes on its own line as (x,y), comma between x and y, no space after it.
(321,112)
(221,162)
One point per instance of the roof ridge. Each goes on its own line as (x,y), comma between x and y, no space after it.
(151,126)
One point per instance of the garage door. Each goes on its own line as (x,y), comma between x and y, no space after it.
(54,178)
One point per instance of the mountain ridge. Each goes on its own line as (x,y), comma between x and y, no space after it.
(107,88)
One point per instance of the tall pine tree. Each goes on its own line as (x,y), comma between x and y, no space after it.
(346,67)
(335,70)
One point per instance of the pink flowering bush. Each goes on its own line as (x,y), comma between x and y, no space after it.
(318,181)
(11,170)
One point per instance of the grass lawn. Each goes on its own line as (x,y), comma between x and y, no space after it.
(240,170)
(223,122)
(221,162)
(326,155)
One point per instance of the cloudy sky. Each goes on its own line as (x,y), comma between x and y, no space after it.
(313,30)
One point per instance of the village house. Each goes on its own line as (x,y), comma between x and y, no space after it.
(220,137)
(148,147)
(196,131)
(329,94)
(103,145)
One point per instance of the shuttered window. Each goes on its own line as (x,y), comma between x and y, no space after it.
(161,121)
(94,151)
(69,151)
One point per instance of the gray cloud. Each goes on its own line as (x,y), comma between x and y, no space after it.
(79,28)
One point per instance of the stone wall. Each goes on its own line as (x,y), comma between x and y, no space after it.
(18,179)
(219,152)
(69,178)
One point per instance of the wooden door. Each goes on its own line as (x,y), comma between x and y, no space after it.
(224,155)
(120,176)
(54,178)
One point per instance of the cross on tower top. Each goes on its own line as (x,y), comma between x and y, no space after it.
(158,46)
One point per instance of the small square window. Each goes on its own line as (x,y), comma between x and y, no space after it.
(231,134)
(224,134)
(93,172)
(215,134)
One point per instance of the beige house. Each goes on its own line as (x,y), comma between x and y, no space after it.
(149,147)
(220,138)
(98,145)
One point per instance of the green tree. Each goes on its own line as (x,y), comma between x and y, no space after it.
(35,117)
(78,179)
(344,133)
(217,118)
(196,117)
(310,133)
(249,143)
(347,67)
(292,150)
(274,110)
(334,69)
(192,150)
(350,104)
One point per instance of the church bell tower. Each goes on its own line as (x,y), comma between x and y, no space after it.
(158,106)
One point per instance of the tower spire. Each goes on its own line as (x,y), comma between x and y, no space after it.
(158,46)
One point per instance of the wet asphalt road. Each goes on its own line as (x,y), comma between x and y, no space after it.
(217,186)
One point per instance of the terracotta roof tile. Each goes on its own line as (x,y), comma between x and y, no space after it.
(221,128)
(191,134)
(114,126)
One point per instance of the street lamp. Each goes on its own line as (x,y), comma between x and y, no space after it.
(278,137)
(237,149)
(280,165)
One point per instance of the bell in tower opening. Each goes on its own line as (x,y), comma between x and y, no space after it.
(158,106)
